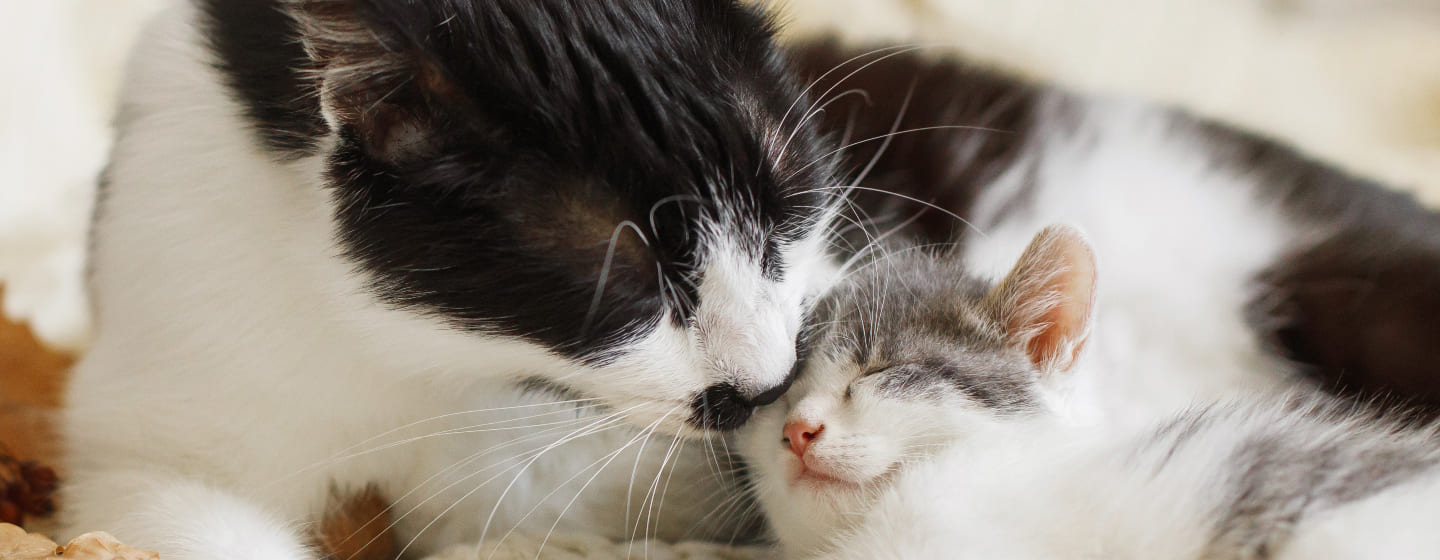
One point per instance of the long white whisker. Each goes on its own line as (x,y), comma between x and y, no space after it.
(455,466)
(603,424)
(883,136)
(340,455)
(611,458)
(605,269)
(930,205)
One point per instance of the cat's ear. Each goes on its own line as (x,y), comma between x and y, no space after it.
(1046,301)
(374,78)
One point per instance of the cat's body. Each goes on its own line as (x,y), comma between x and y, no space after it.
(1235,262)
(471,253)
(957,431)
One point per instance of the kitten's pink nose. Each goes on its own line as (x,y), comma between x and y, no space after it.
(799,434)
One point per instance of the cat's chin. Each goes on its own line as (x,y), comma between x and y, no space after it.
(830,486)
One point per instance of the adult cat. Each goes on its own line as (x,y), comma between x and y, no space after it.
(472,252)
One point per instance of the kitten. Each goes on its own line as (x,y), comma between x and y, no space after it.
(473,253)
(937,417)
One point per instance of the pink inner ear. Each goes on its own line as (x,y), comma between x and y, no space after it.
(1060,342)
(1050,295)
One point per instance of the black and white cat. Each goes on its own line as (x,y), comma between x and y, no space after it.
(936,418)
(473,252)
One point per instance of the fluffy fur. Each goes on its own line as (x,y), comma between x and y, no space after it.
(476,254)
(945,434)
(1235,262)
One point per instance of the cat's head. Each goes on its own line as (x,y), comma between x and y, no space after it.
(610,190)
(910,355)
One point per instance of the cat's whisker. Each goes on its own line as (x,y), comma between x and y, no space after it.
(630,490)
(890,137)
(605,423)
(818,110)
(471,429)
(862,69)
(652,493)
(605,269)
(611,458)
(453,467)
(332,460)
(875,243)
(674,466)
(606,459)
(825,156)
(817,81)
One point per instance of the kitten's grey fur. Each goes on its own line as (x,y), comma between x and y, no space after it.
(1006,463)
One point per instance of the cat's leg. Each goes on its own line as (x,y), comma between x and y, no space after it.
(180,518)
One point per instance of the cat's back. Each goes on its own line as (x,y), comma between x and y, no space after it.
(1307,477)
(1298,476)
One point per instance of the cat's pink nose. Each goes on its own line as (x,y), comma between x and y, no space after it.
(799,434)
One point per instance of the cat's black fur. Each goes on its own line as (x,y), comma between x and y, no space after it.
(491,148)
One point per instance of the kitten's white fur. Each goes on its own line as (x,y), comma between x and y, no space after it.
(933,472)
(240,368)
(1051,491)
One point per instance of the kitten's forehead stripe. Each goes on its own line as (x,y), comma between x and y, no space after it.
(919,323)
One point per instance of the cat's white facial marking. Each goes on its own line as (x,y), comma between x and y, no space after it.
(741,338)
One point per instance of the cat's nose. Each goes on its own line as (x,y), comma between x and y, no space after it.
(799,434)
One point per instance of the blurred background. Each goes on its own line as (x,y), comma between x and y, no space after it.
(1356,82)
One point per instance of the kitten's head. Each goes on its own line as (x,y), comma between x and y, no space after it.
(609,184)
(909,355)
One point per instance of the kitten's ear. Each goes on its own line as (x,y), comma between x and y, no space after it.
(1045,303)
(373,77)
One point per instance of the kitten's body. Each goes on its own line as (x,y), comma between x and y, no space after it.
(1227,481)
(956,431)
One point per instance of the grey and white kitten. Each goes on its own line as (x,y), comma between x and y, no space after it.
(941,416)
